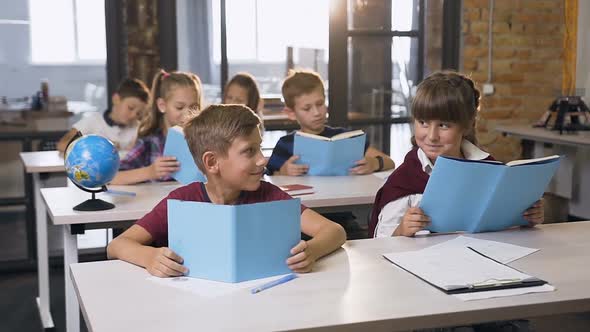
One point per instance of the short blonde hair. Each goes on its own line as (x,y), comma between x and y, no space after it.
(216,127)
(299,82)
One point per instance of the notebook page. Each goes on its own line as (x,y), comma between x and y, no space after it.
(500,251)
(453,268)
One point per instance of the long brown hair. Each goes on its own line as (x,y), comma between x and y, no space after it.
(448,96)
(162,85)
(247,82)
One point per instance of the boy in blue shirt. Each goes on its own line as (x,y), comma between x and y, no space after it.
(225,142)
(305,102)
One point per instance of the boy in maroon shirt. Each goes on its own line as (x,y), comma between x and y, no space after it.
(225,141)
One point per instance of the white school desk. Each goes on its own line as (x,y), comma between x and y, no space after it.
(331,193)
(572,180)
(354,289)
(35,163)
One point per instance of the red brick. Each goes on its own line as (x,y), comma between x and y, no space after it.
(473,40)
(501,27)
(474,52)
(472,14)
(497,114)
(478,27)
(476,3)
(508,77)
(527,67)
(503,53)
(470,64)
(524,54)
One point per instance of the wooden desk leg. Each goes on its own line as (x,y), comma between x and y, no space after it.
(71,257)
(43,303)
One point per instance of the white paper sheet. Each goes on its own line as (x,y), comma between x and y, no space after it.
(455,267)
(504,292)
(209,288)
(502,252)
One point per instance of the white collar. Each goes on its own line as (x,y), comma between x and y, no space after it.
(469,150)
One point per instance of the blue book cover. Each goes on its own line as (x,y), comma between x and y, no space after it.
(176,146)
(330,156)
(482,196)
(234,243)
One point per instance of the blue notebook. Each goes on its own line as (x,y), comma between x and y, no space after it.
(176,146)
(330,156)
(234,243)
(481,196)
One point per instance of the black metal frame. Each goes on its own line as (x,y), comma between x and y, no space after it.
(451,34)
(116,34)
(167,35)
(338,67)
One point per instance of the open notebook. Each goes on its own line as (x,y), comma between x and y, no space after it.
(461,270)
(325,156)
(482,196)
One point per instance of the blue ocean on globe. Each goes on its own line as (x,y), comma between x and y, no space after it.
(91,161)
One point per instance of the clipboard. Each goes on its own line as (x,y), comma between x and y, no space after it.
(480,286)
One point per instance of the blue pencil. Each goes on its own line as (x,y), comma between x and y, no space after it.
(273,283)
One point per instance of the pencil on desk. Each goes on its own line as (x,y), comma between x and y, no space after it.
(273,283)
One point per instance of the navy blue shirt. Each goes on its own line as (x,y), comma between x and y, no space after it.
(284,148)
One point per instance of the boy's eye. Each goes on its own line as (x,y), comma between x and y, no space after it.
(445,125)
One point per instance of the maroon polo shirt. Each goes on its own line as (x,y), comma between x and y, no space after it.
(155,222)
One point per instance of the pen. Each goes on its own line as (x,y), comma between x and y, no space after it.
(273,283)
(121,193)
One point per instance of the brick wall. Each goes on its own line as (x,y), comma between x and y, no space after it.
(526,64)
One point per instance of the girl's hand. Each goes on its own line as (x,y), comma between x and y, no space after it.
(165,263)
(365,166)
(163,167)
(290,168)
(535,214)
(414,220)
(302,260)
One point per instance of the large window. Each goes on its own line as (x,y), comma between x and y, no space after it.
(265,37)
(67,31)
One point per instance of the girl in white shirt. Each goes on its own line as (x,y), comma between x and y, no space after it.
(444,110)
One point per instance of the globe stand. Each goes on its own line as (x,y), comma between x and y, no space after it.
(93,204)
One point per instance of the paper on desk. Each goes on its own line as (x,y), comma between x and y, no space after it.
(450,268)
(209,288)
(504,292)
(500,251)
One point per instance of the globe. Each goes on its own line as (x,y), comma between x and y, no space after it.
(91,162)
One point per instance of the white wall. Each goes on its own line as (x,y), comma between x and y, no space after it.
(19,78)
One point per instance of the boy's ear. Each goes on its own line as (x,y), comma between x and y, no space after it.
(210,162)
(116,98)
(161,104)
(290,113)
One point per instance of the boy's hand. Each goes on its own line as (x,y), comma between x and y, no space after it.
(165,263)
(535,214)
(302,260)
(164,166)
(414,220)
(365,166)
(290,168)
